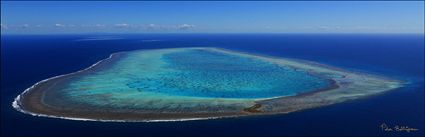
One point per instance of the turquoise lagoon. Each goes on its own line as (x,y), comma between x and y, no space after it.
(179,83)
(182,78)
(196,73)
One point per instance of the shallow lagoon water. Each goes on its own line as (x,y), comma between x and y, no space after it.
(190,80)
(194,73)
(378,54)
(194,83)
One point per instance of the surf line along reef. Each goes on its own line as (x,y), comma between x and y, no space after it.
(194,83)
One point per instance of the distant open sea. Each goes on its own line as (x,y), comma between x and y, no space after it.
(27,59)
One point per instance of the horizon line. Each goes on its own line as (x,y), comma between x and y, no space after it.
(185,33)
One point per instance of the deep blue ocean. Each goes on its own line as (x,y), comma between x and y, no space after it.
(27,59)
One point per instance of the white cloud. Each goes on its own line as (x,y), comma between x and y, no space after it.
(338,27)
(185,27)
(59,25)
(3,26)
(25,26)
(324,27)
(122,25)
(331,28)
(152,26)
(100,25)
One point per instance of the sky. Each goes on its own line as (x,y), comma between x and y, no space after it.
(212,17)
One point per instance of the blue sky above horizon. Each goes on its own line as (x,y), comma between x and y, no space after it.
(212,17)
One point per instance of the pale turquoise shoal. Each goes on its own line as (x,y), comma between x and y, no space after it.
(185,78)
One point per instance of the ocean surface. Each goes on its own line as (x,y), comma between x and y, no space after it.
(27,59)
